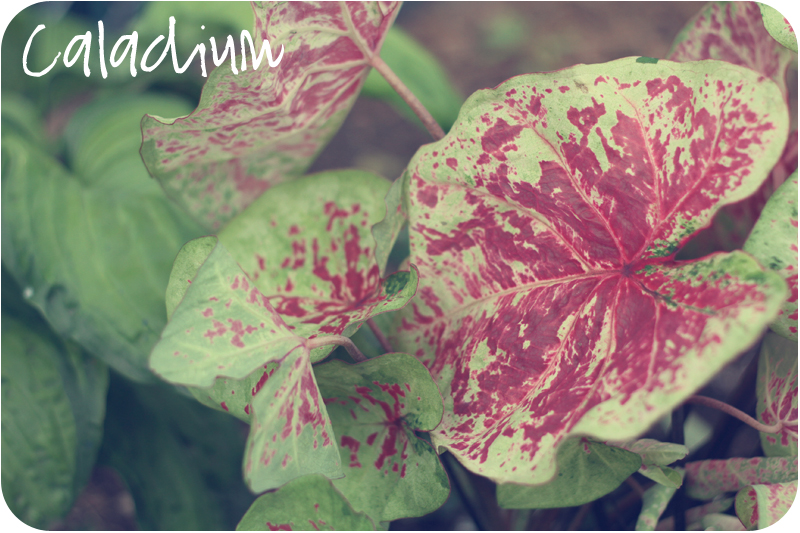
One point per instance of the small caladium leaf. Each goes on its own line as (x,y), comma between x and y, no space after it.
(544,226)
(375,407)
(708,479)
(779,27)
(655,456)
(654,502)
(310,503)
(776,389)
(263,126)
(587,470)
(733,32)
(306,245)
(760,506)
(774,243)
(387,230)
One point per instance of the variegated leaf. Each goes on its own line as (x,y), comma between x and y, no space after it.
(310,503)
(387,230)
(587,470)
(779,27)
(654,502)
(260,127)
(774,243)
(544,226)
(777,394)
(708,479)
(760,506)
(307,246)
(376,406)
(733,32)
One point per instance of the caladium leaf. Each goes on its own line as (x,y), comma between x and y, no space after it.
(387,230)
(654,502)
(544,226)
(310,503)
(774,243)
(655,456)
(778,27)
(760,506)
(733,32)
(708,479)
(306,245)
(375,407)
(260,127)
(776,389)
(587,470)
(663,475)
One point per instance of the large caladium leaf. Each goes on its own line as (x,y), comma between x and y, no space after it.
(777,394)
(779,27)
(587,470)
(733,32)
(774,243)
(260,127)
(544,226)
(310,503)
(760,506)
(225,328)
(375,407)
(707,479)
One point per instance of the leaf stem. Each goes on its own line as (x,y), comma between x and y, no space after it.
(405,93)
(736,413)
(384,342)
(337,340)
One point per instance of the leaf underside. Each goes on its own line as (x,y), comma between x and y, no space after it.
(257,128)
(776,390)
(544,227)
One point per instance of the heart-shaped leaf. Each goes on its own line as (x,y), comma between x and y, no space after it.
(92,247)
(587,470)
(733,32)
(778,27)
(310,503)
(260,127)
(375,407)
(307,246)
(760,506)
(708,479)
(544,226)
(774,243)
(777,394)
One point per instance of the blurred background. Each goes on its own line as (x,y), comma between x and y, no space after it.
(471,46)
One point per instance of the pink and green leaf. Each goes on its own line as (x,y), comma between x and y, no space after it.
(776,389)
(708,479)
(587,470)
(307,246)
(779,27)
(257,128)
(760,506)
(733,32)
(654,502)
(544,226)
(387,230)
(310,503)
(376,406)
(774,243)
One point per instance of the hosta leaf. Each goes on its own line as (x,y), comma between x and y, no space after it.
(778,27)
(544,226)
(760,506)
(774,243)
(53,407)
(92,251)
(733,32)
(375,407)
(421,72)
(777,394)
(587,470)
(307,246)
(708,479)
(261,127)
(310,503)
(654,502)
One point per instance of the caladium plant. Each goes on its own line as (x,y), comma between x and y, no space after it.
(511,317)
